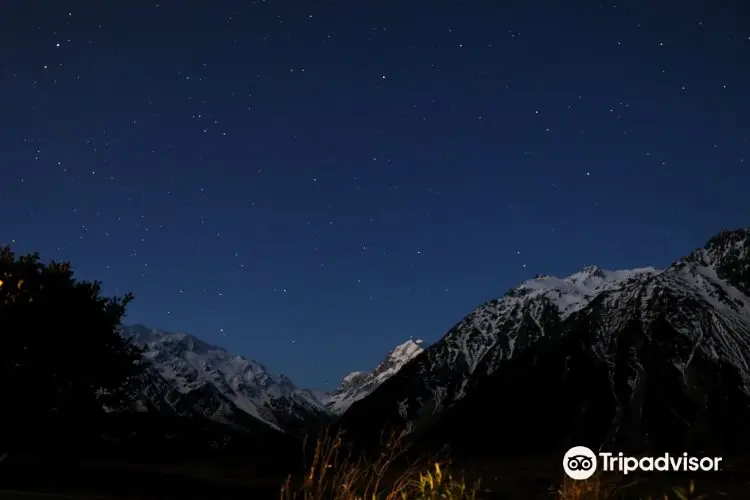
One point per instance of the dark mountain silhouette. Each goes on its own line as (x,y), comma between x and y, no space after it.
(631,360)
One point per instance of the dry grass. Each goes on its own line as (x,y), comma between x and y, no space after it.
(334,474)
(597,489)
(594,488)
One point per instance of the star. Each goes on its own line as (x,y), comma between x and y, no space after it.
(215,163)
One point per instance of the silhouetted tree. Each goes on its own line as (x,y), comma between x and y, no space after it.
(60,350)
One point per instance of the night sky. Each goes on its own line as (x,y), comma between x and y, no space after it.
(311,183)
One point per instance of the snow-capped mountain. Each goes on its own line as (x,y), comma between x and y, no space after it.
(504,325)
(357,385)
(641,357)
(191,377)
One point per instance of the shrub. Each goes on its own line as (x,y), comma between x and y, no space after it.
(61,352)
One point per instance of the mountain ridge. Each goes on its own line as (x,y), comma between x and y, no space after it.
(616,327)
(190,377)
(221,386)
(358,385)
(608,340)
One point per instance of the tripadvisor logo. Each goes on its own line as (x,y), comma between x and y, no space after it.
(581,463)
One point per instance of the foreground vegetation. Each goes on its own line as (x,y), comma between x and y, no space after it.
(435,483)
(61,353)
(334,474)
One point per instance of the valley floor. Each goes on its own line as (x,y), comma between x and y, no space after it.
(122,480)
(517,479)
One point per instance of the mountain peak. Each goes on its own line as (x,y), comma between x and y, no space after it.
(729,245)
(406,351)
(172,341)
(357,385)
(729,254)
(217,383)
(592,270)
(573,292)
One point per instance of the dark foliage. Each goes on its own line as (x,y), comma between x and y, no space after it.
(69,382)
(60,351)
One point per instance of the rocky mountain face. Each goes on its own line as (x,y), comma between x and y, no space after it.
(358,385)
(189,377)
(632,359)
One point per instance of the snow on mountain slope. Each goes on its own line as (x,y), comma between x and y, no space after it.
(704,296)
(525,311)
(528,311)
(212,382)
(357,385)
(522,315)
(696,297)
(661,363)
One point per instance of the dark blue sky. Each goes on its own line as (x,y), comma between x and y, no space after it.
(310,183)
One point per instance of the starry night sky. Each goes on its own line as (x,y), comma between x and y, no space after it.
(311,183)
